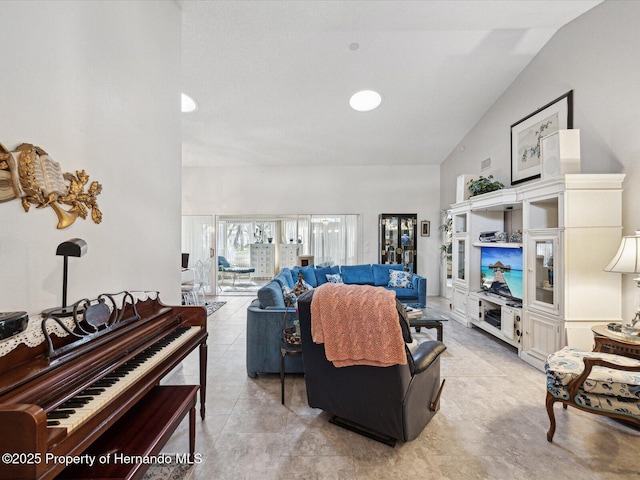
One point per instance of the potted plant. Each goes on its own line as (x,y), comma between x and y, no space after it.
(484,185)
(446,249)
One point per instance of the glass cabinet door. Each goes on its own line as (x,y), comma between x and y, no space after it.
(543,291)
(397,239)
(460,258)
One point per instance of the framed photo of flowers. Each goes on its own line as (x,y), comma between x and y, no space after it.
(527,132)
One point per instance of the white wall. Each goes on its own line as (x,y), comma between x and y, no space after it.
(95,84)
(368,191)
(596,56)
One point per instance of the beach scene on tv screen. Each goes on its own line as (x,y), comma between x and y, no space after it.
(501,271)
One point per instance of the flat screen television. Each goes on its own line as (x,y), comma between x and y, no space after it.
(501,271)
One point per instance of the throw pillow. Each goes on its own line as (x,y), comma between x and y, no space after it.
(334,278)
(399,279)
(309,275)
(321,275)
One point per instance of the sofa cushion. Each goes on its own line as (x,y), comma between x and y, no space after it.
(284,278)
(308,273)
(334,278)
(289,276)
(381,273)
(294,273)
(321,275)
(270,295)
(357,274)
(400,279)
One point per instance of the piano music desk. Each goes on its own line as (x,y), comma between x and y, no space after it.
(143,431)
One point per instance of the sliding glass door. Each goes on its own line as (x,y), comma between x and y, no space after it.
(197,241)
(331,239)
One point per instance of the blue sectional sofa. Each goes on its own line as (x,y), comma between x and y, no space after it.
(266,313)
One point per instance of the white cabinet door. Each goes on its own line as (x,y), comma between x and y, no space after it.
(473,306)
(460,259)
(542,336)
(459,305)
(544,272)
(511,324)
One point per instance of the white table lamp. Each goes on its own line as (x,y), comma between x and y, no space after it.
(627,260)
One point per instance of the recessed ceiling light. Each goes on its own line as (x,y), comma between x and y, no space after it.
(188,104)
(365,100)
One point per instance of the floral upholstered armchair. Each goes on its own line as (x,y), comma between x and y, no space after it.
(601,383)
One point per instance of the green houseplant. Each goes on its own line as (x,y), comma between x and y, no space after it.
(447,230)
(484,185)
(446,249)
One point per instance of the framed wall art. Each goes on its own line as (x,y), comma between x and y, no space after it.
(526,134)
(425,228)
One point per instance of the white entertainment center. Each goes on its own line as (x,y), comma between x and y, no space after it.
(560,234)
(497,315)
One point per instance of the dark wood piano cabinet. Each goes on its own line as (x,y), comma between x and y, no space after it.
(143,431)
(133,349)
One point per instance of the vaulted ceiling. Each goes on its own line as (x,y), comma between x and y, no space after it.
(273,78)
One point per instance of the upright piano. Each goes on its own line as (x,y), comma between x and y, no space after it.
(81,382)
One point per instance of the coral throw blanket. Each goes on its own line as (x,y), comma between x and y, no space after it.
(358,325)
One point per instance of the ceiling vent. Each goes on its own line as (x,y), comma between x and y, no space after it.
(485,164)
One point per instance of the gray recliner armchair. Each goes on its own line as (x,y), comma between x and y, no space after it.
(385,403)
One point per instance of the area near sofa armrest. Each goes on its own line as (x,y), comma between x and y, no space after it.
(420,286)
(357,274)
(263,337)
(426,354)
(270,295)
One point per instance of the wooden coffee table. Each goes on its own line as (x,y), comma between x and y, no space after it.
(431,318)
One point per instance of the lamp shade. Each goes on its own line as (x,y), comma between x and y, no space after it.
(627,259)
(76,247)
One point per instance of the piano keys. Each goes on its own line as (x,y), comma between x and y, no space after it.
(64,394)
(79,408)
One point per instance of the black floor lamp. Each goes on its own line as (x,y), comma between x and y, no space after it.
(76,247)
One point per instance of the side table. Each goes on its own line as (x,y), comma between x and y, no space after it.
(610,341)
(431,318)
(286,348)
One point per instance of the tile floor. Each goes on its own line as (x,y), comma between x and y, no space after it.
(492,423)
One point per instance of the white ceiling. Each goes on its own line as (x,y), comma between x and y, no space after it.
(273,78)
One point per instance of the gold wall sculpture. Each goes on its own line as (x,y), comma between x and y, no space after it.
(31,175)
